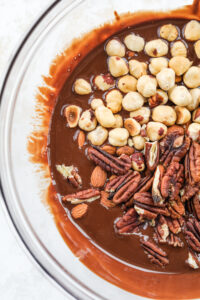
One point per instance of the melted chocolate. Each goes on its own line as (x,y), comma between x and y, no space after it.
(98,224)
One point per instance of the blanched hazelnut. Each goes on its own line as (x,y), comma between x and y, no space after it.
(118,121)
(104,82)
(127,84)
(87,120)
(180,96)
(156,131)
(82,87)
(98,136)
(137,160)
(194,131)
(132,126)
(163,95)
(137,68)
(105,116)
(196,116)
(134,42)
(138,142)
(164,114)
(197,48)
(192,30)
(179,49)
(183,115)
(195,93)
(118,137)
(192,77)
(169,32)
(157,64)
(117,66)
(72,114)
(180,64)
(141,115)
(115,48)
(114,100)
(132,101)
(96,102)
(147,85)
(166,78)
(156,48)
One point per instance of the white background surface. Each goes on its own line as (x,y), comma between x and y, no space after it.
(19,278)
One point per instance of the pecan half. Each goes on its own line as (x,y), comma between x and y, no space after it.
(156,193)
(174,145)
(172,181)
(175,241)
(192,234)
(82,196)
(162,230)
(174,225)
(104,201)
(194,205)
(152,155)
(194,159)
(176,208)
(70,173)
(192,260)
(128,223)
(108,162)
(146,208)
(154,253)
(145,184)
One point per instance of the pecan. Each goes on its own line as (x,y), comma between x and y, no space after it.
(176,208)
(156,193)
(125,150)
(152,155)
(194,206)
(145,184)
(128,223)
(192,260)
(116,182)
(70,173)
(155,100)
(106,161)
(192,234)
(154,253)
(174,145)
(194,160)
(172,181)
(162,230)
(105,202)
(82,196)
(175,241)
(174,225)
(146,208)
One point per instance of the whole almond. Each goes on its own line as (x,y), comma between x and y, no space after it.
(109,149)
(105,202)
(98,177)
(81,139)
(125,150)
(79,210)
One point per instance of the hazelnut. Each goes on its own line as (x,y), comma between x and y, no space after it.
(180,96)
(82,87)
(134,42)
(183,115)
(137,68)
(104,82)
(137,160)
(114,100)
(196,116)
(132,126)
(166,78)
(169,32)
(115,48)
(180,64)
(179,49)
(118,121)
(160,97)
(156,48)
(165,114)
(87,120)
(132,101)
(146,85)
(157,64)
(195,93)
(98,136)
(192,77)
(197,48)
(105,117)
(96,102)
(141,115)
(194,131)
(156,131)
(192,30)
(130,142)
(118,137)
(138,142)
(72,114)
(117,66)
(127,84)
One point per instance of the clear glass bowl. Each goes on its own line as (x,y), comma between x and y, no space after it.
(21,185)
